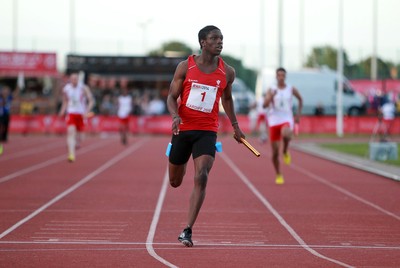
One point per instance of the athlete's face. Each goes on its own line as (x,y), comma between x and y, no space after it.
(213,42)
(74,79)
(280,77)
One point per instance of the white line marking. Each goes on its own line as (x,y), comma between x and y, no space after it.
(47,163)
(349,161)
(344,191)
(172,246)
(102,168)
(276,214)
(154,222)
(31,151)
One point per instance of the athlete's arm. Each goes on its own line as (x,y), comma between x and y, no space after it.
(64,104)
(227,103)
(90,99)
(269,98)
(297,94)
(175,91)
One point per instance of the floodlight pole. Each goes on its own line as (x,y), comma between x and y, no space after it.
(144,26)
(374,63)
(72,37)
(301,34)
(280,27)
(15,25)
(262,36)
(339,95)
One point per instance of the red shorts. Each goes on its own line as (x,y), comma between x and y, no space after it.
(124,121)
(275,132)
(261,118)
(76,120)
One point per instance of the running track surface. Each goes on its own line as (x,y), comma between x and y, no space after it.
(113,207)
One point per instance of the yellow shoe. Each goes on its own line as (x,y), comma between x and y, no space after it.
(1,149)
(279,179)
(287,159)
(71,158)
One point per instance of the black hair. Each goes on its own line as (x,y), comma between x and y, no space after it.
(205,31)
(280,69)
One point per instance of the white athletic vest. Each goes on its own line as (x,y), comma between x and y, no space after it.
(280,110)
(76,98)
(124,106)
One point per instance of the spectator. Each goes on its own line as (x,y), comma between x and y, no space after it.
(319,110)
(107,105)
(156,106)
(5,111)
(387,114)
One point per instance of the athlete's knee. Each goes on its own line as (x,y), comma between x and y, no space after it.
(176,174)
(174,182)
(201,178)
(275,154)
(286,133)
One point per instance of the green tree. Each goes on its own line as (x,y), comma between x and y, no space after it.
(362,69)
(325,55)
(248,76)
(172,48)
(178,49)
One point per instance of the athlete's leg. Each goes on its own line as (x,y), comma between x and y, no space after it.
(71,139)
(287,134)
(176,174)
(202,167)
(275,156)
(123,130)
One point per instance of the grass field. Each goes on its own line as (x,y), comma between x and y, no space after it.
(357,149)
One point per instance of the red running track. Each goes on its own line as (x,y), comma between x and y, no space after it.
(113,207)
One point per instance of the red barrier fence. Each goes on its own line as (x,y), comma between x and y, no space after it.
(51,124)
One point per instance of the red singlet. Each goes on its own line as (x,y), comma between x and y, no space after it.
(200,97)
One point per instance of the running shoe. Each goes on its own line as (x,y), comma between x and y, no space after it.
(1,149)
(186,237)
(287,158)
(279,179)
(71,158)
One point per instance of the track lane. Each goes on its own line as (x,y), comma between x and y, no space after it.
(233,228)
(322,215)
(106,216)
(232,220)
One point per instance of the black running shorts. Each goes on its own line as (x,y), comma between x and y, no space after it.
(195,142)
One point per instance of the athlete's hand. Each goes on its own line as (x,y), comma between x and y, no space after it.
(238,134)
(176,121)
(297,118)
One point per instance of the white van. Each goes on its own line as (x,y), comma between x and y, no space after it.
(318,89)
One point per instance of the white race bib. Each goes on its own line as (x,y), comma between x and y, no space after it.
(202,97)
(281,102)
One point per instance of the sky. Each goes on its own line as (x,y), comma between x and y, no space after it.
(250,28)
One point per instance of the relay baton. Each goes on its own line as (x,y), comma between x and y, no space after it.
(251,148)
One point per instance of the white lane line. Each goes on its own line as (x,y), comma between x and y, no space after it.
(263,200)
(350,161)
(154,222)
(48,163)
(102,168)
(38,149)
(214,245)
(344,191)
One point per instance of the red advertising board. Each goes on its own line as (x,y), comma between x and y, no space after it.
(368,87)
(29,63)
(162,124)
